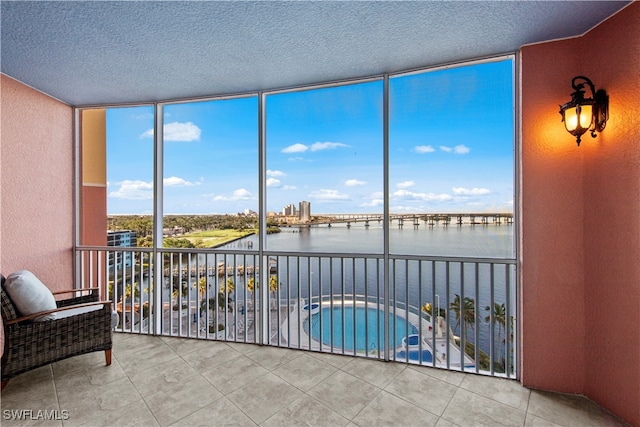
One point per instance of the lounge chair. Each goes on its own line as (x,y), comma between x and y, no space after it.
(38,337)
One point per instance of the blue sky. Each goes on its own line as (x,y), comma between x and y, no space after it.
(450,148)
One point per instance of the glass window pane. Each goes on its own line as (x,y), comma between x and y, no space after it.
(451,156)
(325,169)
(129,166)
(210,173)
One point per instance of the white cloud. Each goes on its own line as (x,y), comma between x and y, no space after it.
(273,182)
(289,187)
(475,204)
(458,149)
(242,194)
(373,200)
(174,181)
(133,190)
(354,182)
(139,190)
(373,203)
(461,149)
(295,148)
(239,194)
(328,195)
(401,208)
(275,173)
(147,133)
(461,191)
(424,149)
(317,146)
(405,184)
(427,197)
(178,132)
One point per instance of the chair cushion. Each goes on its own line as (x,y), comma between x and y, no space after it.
(29,294)
(74,312)
(8,309)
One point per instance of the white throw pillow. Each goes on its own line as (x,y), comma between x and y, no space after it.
(74,312)
(29,294)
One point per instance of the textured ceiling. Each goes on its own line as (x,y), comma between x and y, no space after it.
(103,52)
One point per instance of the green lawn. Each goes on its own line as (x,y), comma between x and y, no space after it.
(213,238)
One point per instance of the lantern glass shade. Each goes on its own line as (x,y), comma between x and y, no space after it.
(585,114)
(578,119)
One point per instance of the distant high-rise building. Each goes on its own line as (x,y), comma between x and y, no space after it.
(305,211)
(123,238)
(289,210)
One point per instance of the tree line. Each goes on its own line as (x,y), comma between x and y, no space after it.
(465,316)
(143,224)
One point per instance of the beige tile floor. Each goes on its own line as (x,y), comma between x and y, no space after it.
(171,381)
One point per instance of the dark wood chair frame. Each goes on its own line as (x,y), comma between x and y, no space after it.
(29,344)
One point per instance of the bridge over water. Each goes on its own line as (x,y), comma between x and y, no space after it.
(415,219)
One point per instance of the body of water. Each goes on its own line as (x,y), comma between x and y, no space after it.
(413,283)
(494,241)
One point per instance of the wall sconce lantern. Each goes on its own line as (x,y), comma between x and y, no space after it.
(585,114)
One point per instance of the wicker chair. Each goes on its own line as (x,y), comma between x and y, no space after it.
(29,344)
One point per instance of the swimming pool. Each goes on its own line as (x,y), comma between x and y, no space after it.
(360,336)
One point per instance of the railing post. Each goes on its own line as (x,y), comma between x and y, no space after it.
(385,144)
(157,224)
(264,321)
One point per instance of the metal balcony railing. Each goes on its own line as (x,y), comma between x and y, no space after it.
(446,312)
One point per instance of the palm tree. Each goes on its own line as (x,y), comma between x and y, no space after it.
(210,303)
(469,316)
(273,284)
(499,318)
(251,285)
(224,294)
(228,286)
(428,308)
(202,286)
(273,288)
(181,289)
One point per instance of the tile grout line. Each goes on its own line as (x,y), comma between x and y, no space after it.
(447,406)
(55,390)
(269,371)
(436,379)
(179,356)
(224,396)
(497,401)
(526,412)
(380,390)
(138,392)
(337,369)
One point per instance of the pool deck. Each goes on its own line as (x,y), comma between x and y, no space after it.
(286,322)
(291,331)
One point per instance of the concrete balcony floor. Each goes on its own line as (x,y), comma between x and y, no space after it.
(172,381)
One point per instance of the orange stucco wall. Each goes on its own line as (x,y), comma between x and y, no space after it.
(552,225)
(93,192)
(581,221)
(36,177)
